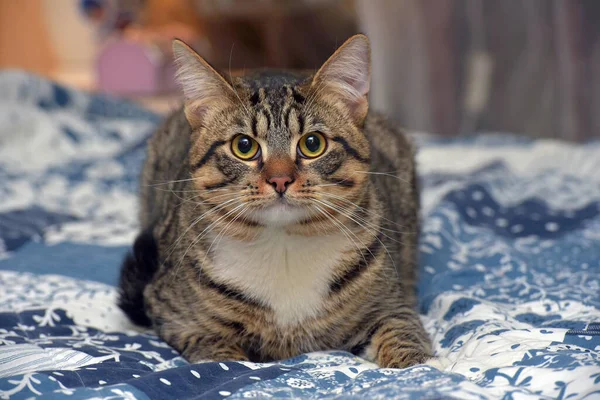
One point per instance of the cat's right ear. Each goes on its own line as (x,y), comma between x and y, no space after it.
(204,89)
(346,75)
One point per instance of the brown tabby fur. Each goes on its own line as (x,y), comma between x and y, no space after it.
(196,194)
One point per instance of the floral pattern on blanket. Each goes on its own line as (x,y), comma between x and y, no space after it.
(509,282)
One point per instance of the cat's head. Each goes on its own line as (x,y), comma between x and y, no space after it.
(279,148)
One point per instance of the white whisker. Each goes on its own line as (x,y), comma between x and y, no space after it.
(379,240)
(222,233)
(201,235)
(216,208)
(390,174)
(369,212)
(371,227)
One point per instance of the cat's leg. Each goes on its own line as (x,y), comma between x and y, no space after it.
(179,318)
(196,344)
(398,342)
(197,348)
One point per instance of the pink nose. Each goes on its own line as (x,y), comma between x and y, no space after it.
(280,183)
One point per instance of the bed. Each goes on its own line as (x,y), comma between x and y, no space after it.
(509,279)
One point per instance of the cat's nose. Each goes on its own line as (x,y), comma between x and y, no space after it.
(280,183)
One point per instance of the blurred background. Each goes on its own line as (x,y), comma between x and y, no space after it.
(450,67)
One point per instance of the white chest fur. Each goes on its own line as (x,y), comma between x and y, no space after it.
(289,273)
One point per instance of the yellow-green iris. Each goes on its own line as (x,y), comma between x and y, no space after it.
(244,147)
(312,145)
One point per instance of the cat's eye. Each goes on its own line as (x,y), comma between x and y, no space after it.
(244,147)
(312,145)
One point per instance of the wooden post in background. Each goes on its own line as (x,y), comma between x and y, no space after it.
(438,27)
(572,55)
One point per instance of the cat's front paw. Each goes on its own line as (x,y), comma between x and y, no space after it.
(221,355)
(201,348)
(399,343)
(401,357)
(440,363)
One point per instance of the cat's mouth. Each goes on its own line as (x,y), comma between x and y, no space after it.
(280,212)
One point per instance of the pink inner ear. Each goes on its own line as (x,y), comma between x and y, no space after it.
(362,85)
(347,73)
(195,113)
(349,70)
(358,67)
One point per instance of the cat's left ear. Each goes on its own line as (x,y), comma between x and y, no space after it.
(204,89)
(347,76)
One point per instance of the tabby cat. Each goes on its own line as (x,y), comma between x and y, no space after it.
(278,217)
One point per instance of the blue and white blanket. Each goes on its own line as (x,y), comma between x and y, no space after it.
(509,288)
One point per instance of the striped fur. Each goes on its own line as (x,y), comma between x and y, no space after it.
(241,273)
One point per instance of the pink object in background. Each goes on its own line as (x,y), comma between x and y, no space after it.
(125,67)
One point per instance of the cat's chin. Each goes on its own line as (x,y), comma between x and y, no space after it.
(280,214)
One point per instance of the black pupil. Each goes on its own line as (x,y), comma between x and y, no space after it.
(313,143)
(244,145)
